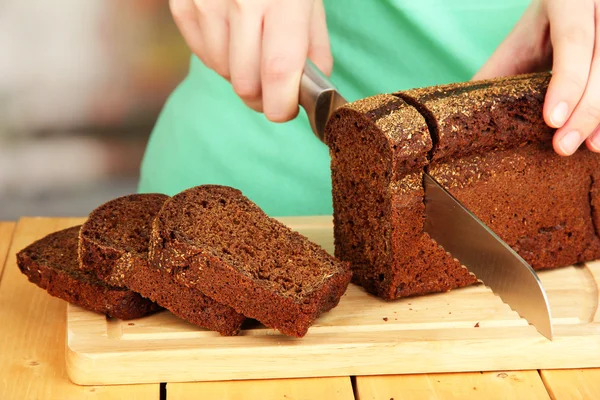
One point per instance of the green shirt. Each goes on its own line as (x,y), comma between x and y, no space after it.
(205,134)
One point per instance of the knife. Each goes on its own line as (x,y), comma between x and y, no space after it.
(449,223)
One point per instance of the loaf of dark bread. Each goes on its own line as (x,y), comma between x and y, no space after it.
(114,244)
(486,142)
(51,263)
(216,240)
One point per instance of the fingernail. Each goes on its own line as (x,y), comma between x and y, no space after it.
(595,141)
(570,142)
(558,117)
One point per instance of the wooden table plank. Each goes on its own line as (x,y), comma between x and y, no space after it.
(572,384)
(526,385)
(32,341)
(298,389)
(6,233)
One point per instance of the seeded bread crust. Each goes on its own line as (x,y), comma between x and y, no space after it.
(51,264)
(486,142)
(240,257)
(494,154)
(478,117)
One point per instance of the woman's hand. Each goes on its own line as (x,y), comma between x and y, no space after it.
(260,46)
(564,35)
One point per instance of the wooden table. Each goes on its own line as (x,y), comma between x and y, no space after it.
(32,364)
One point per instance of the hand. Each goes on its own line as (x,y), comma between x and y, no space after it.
(260,46)
(564,35)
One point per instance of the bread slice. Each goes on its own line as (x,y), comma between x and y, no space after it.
(187,303)
(117,232)
(215,239)
(51,263)
(487,143)
(114,244)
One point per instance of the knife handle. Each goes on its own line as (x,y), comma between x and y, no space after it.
(319,98)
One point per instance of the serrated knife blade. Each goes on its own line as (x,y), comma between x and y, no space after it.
(486,255)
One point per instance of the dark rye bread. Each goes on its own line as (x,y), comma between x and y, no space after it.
(114,244)
(483,116)
(185,302)
(494,154)
(215,239)
(487,143)
(379,147)
(117,232)
(51,263)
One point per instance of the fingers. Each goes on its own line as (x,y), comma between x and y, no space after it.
(285,47)
(524,49)
(572,30)
(184,15)
(245,28)
(585,118)
(319,50)
(214,27)
(260,46)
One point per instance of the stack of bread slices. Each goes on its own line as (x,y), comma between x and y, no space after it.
(209,255)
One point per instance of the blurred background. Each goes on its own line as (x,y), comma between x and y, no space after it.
(81,85)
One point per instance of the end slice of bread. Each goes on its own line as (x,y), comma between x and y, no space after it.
(117,232)
(51,263)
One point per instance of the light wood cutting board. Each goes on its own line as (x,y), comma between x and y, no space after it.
(469,329)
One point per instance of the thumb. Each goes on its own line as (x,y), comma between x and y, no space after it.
(527,48)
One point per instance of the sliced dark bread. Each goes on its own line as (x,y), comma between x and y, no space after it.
(117,232)
(114,244)
(51,263)
(185,302)
(215,239)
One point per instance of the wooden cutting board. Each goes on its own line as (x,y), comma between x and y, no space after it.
(469,329)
